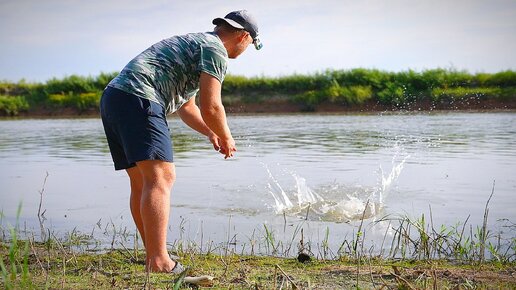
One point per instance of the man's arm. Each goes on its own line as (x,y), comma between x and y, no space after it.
(213,114)
(191,116)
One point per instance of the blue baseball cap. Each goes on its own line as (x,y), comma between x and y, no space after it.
(241,19)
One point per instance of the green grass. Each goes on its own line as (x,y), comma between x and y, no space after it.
(417,256)
(355,87)
(15,267)
(51,267)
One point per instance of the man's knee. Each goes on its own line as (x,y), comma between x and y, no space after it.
(157,172)
(167,177)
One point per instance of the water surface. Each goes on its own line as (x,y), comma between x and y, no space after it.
(318,171)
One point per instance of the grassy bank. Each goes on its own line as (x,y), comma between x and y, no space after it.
(416,255)
(356,89)
(48,266)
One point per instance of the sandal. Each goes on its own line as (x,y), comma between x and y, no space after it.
(178,268)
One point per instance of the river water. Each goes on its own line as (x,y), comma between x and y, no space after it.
(318,172)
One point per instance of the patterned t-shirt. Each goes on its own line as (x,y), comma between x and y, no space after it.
(168,72)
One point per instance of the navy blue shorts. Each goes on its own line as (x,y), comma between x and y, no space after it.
(136,128)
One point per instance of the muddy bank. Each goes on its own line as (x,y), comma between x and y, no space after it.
(373,106)
(291,107)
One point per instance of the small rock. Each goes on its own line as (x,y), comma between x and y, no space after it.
(303,257)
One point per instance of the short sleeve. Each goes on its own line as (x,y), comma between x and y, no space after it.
(213,62)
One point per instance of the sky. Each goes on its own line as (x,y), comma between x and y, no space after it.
(40,40)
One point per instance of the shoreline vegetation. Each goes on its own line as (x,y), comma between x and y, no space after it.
(355,90)
(416,255)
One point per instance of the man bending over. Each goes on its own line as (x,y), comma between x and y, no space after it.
(163,79)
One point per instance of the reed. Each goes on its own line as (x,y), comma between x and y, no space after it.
(16,273)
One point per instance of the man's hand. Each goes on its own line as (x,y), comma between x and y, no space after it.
(215,140)
(225,148)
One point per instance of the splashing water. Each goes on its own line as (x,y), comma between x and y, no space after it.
(334,202)
(282,203)
(387,180)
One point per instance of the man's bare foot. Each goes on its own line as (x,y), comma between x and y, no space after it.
(157,265)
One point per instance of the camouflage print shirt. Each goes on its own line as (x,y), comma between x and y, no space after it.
(168,72)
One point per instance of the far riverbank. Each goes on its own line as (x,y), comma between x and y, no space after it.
(355,90)
(279,107)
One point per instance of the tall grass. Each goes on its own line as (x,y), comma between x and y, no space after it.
(81,102)
(458,93)
(76,92)
(15,274)
(355,87)
(413,239)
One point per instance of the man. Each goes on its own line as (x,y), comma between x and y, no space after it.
(163,79)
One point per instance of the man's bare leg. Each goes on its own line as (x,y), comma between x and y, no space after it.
(154,207)
(136,180)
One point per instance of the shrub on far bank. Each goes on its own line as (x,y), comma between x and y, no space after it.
(12,105)
(353,95)
(392,94)
(78,84)
(458,93)
(81,102)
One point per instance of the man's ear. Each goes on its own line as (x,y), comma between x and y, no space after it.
(243,36)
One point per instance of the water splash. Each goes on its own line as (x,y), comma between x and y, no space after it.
(334,202)
(386,180)
(281,199)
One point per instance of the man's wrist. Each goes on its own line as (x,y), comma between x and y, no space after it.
(210,134)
